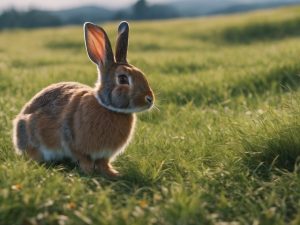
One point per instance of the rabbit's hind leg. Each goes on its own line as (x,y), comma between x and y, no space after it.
(20,134)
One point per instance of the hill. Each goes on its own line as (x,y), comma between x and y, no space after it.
(212,7)
(223,148)
(80,15)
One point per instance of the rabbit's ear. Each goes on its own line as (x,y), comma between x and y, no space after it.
(122,42)
(98,45)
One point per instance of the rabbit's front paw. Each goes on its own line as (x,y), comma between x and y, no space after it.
(103,166)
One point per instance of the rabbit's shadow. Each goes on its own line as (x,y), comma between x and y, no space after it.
(129,181)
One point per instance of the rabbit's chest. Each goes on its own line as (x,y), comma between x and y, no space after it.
(104,137)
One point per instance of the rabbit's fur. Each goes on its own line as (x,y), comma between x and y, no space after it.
(88,125)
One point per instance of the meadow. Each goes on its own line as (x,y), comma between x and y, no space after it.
(223,148)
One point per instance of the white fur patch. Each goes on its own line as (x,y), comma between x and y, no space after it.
(55,154)
(102,154)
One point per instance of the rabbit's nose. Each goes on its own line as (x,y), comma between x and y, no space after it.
(149,99)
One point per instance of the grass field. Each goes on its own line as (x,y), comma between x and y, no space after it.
(222,149)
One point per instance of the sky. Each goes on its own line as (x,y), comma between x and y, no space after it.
(60,4)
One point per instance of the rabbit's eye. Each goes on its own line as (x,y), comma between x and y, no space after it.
(123,79)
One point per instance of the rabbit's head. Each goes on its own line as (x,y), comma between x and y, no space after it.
(121,87)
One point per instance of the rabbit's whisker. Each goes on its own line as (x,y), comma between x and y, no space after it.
(155,107)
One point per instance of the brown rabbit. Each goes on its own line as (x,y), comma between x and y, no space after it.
(88,125)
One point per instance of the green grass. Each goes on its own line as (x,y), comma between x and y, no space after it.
(223,149)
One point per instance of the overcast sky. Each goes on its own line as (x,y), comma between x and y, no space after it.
(59,4)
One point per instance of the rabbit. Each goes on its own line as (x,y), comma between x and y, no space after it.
(90,126)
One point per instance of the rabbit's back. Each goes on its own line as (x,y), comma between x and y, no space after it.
(53,99)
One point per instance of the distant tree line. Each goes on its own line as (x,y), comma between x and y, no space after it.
(141,10)
(33,18)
